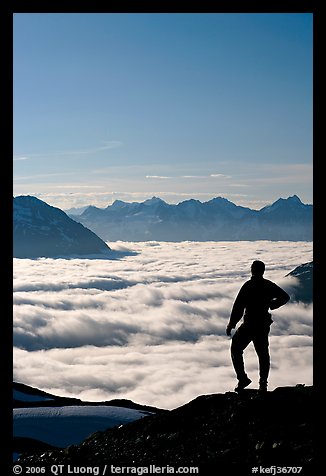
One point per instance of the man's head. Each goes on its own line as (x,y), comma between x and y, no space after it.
(257,268)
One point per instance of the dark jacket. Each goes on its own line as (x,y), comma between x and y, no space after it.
(255,298)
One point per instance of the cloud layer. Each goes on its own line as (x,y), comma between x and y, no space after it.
(151,326)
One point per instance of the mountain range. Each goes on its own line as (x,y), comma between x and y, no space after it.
(216,220)
(42,230)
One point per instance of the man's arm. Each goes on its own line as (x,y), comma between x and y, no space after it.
(237,311)
(280,297)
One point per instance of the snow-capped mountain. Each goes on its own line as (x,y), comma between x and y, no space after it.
(216,220)
(42,230)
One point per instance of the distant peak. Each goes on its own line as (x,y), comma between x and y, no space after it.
(220,200)
(117,204)
(191,200)
(27,199)
(294,199)
(283,202)
(153,200)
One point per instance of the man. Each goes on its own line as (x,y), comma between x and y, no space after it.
(255,298)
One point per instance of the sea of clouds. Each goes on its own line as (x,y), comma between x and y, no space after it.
(149,325)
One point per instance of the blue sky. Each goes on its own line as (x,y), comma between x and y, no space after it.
(127,106)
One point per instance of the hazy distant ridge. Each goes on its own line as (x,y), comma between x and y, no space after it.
(218,220)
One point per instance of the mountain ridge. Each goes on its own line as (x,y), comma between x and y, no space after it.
(218,219)
(42,398)
(291,198)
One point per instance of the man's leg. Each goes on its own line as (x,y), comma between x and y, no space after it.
(261,345)
(240,341)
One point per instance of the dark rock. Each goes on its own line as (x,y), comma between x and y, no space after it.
(304,291)
(221,431)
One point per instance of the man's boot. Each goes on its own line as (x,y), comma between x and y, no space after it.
(243,383)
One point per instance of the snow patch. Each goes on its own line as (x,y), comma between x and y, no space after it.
(63,426)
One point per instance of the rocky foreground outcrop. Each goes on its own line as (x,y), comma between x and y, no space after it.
(232,431)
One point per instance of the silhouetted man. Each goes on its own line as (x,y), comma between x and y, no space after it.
(255,298)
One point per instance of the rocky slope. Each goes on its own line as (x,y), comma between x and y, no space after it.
(230,431)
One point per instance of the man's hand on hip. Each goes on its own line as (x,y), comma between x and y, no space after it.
(228,330)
